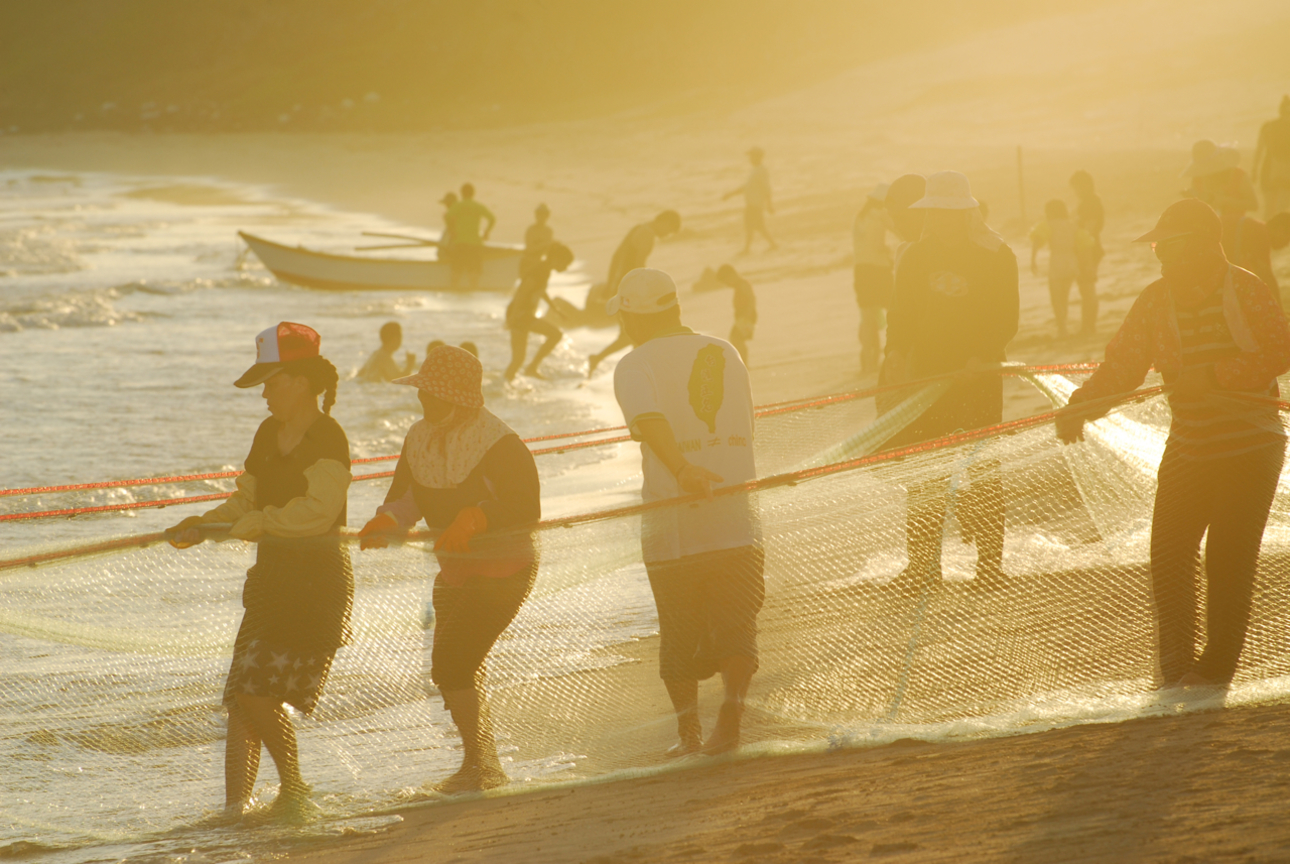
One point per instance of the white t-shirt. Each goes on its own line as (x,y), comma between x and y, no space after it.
(700,386)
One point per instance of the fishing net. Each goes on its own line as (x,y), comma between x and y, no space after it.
(113,663)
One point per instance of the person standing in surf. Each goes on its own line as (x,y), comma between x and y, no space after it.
(466,220)
(757,200)
(1214,332)
(1272,162)
(687,398)
(471,478)
(1069,246)
(872,279)
(631,254)
(745,308)
(290,501)
(539,236)
(1090,216)
(521,314)
(956,308)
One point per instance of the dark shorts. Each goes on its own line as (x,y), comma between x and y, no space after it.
(707,610)
(468,620)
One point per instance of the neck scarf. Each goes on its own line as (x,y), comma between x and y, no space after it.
(442,455)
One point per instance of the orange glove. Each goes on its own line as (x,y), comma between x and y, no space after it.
(375,534)
(456,537)
(186,533)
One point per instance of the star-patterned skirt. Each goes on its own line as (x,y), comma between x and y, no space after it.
(285,674)
(297,598)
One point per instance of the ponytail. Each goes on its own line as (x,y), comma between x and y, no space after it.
(322,377)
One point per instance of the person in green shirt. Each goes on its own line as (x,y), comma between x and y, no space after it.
(466,217)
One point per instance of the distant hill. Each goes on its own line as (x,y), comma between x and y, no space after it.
(406,65)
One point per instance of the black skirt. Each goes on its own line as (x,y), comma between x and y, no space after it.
(298,598)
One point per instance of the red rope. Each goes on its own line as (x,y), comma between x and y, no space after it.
(769,410)
(788,479)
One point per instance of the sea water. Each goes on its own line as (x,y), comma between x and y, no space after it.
(128,306)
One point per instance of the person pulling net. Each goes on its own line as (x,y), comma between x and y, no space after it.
(687,398)
(466,473)
(291,503)
(956,308)
(1214,331)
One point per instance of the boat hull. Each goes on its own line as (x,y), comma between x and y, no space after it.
(327,272)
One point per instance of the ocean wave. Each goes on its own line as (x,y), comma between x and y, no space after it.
(73,309)
(20,849)
(98,307)
(30,252)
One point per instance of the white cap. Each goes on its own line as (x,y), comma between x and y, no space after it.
(643,292)
(947,190)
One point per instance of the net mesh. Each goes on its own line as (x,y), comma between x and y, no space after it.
(114,663)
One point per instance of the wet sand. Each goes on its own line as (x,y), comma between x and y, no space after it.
(1200,787)
(1196,788)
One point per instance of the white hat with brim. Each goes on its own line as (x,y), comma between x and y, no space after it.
(643,291)
(1210,158)
(947,190)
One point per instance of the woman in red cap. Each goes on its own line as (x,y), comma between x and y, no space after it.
(1210,329)
(291,502)
(471,478)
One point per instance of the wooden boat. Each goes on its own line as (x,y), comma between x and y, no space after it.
(301,266)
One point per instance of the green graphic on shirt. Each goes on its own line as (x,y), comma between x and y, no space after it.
(707,383)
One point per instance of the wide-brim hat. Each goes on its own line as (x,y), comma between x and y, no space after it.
(1188,216)
(947,190)
(1210,158)
(643,291)
(277,347)
(452,374)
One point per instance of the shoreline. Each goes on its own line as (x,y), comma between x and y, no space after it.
(1151,789)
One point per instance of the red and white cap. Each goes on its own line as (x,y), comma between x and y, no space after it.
(276,347)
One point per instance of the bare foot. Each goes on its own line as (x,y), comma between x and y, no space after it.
(534,373)
(681,749)
(725,737)
(592,362)
(293,806)
(472,778)
(1192,679)
(690,732)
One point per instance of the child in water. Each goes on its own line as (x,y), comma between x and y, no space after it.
(382,366)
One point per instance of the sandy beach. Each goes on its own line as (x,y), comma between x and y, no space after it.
(1200,787)
(1207,785)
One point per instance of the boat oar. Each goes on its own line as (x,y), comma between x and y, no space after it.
(420,240)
